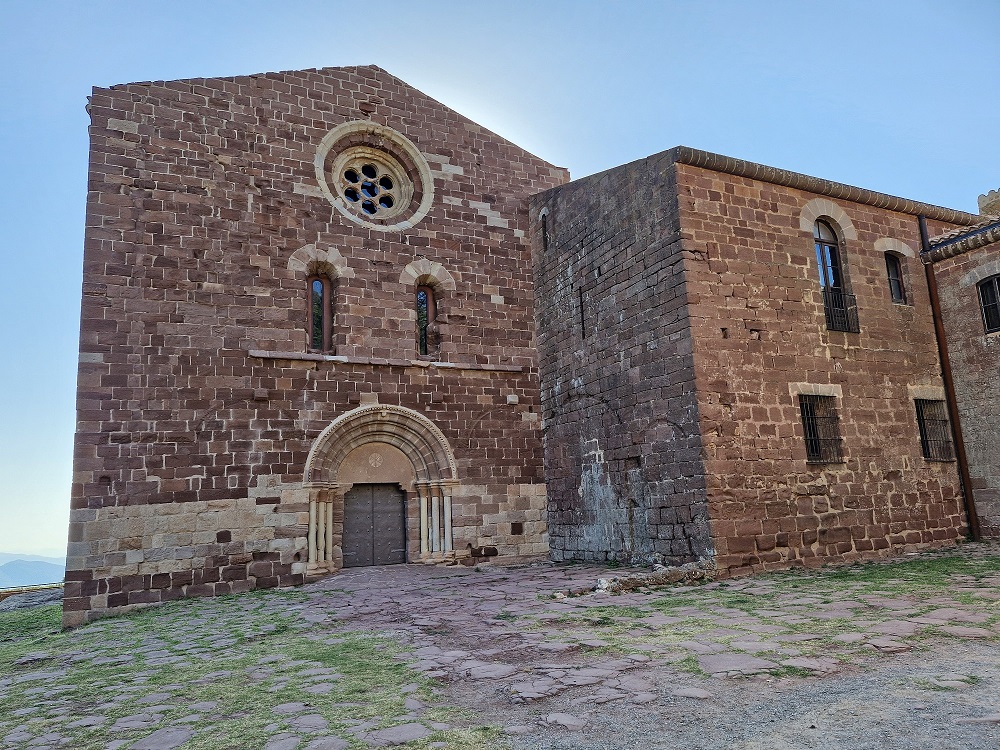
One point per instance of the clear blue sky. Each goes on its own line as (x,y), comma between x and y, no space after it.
(896,96)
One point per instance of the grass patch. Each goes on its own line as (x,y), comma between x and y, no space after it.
(787,603)
(244,653)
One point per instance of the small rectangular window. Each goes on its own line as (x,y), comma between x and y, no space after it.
(822,429)
(935,432)
(989,300)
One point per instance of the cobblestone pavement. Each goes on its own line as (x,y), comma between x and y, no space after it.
(891,655)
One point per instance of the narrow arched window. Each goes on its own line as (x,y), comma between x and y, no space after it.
(989,301)
(426,312)
(894,270)
(840,306)
(321,293)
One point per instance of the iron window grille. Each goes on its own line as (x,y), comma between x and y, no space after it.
(841,311)
(989,301)
(935,432)
(821,427)
(894,270)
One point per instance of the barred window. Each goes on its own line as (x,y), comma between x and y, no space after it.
(989,300)
(822,429)
(935,432)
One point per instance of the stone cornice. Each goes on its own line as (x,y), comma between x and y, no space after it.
(376,362)
(740,168)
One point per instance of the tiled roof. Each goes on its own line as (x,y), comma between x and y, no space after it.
(961,240)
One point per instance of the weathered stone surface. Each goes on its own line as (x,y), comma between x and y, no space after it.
(730,663)
(568,721)
(167,738)
(399,735)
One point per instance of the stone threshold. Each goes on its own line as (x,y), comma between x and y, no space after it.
(378,362)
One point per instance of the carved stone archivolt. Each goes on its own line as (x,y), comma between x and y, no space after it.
(379,443)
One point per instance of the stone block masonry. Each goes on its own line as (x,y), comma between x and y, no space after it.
(761,338)
(326,322)
(625,472)
(975,361)
(212,204)
(681,317)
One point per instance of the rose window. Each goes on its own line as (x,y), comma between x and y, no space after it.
(374,176)
(370,188)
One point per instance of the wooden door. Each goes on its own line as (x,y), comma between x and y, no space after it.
(374,525)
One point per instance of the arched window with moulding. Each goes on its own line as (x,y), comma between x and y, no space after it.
(322,301)
(426,316)
(838,303)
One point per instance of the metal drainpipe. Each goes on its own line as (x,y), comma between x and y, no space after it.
(949,388)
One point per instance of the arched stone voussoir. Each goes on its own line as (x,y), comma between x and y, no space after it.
(410,431)
(823,207)
(423,270)
(308,257)
(892,245)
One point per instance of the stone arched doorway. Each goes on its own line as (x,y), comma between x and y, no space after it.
(380,444)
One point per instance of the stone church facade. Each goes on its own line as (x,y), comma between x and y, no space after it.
(325,320)
(298,285)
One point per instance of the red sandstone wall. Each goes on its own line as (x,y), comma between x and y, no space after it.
(757,324)
(622,446)
(975,362)
(200,191)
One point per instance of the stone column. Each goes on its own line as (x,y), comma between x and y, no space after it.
(424,529)
(435,520)
(448,542)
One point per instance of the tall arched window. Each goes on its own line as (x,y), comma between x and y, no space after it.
(321,299)
(426,312)
(841,312)
(828,256)
(894,270)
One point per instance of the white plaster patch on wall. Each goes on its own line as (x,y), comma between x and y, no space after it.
(124,126)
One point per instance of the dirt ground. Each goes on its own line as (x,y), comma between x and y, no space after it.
(894,655)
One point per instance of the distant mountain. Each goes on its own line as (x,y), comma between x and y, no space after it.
(6,557)
(29,573)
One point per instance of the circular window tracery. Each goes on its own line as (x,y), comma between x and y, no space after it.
(374,176)
(372,184)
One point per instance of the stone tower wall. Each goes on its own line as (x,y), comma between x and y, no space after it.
(975,364)
(622,445)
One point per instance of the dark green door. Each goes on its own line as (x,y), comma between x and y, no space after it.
(374,525)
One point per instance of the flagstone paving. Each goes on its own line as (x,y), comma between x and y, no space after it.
(528,657)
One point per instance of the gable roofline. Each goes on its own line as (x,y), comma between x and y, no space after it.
(335,70)
(740,168)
